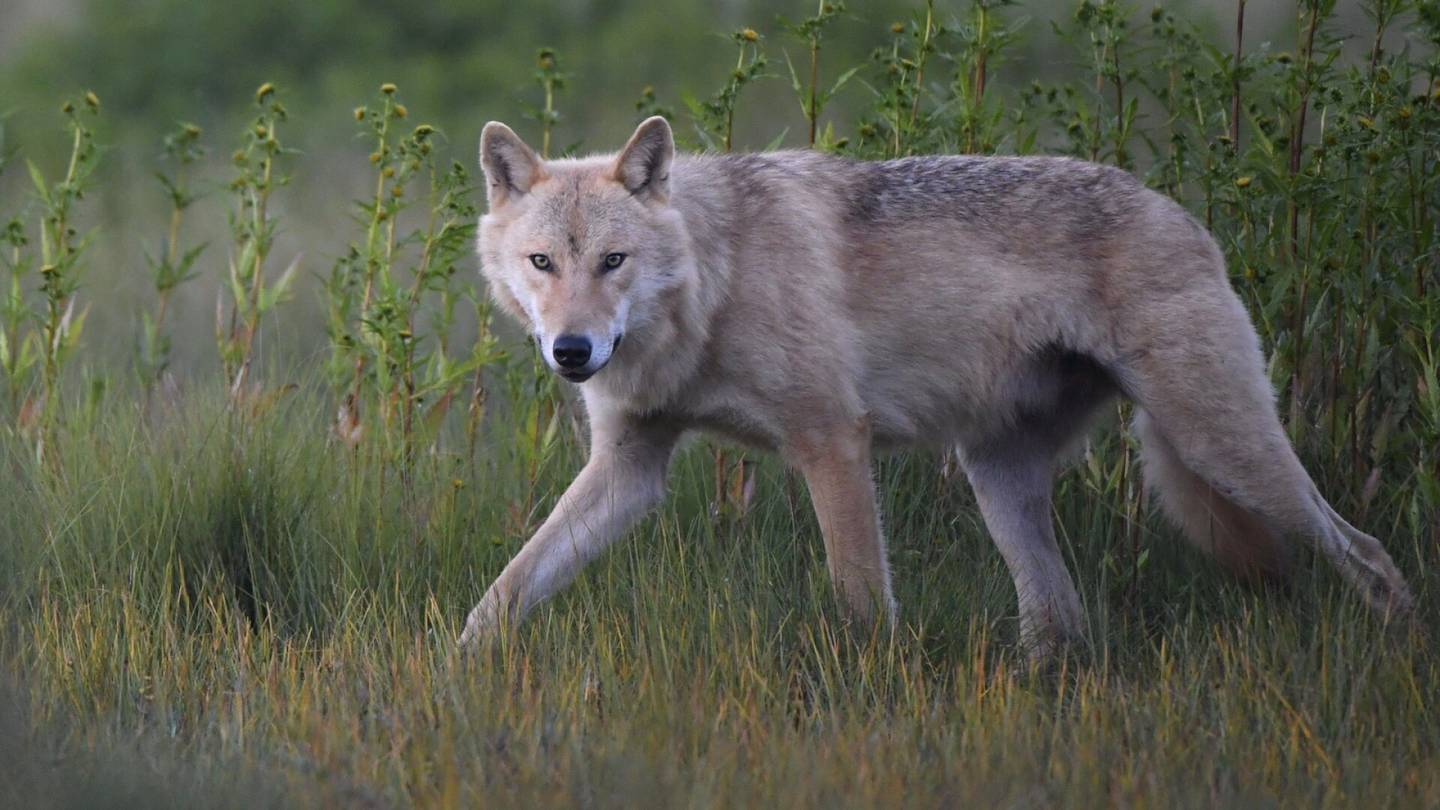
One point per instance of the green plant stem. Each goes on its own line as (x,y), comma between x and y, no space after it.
(920,61)
(1297,133)
(814,107)
(372,233)
(1235,76)
(56,262)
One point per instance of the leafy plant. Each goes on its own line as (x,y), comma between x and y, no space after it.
(392,298)
(896,127)
(551,81)
(811,31)
(61,249)
(252,229)
(715,116)
(174,264)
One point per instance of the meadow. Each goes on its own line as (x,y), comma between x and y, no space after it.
(242,586)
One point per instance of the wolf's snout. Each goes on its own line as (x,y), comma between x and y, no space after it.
(571,351)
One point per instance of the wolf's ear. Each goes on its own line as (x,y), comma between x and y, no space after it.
(644,164)
(511,167)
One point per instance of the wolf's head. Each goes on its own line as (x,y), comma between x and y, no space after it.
(581,251)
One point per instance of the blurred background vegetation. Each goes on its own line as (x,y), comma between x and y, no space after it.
(459,62)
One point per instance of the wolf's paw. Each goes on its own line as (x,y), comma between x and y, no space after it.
(1048,634)
(1044,651)
(482,624)
(1392,600)
(1385,591)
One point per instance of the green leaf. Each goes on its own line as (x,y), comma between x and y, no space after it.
(839,83)
(796,86)
(777,140)
(38,179)
(280,290)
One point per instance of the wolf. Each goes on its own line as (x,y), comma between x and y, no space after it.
(831,309)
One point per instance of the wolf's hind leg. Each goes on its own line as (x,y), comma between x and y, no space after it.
(1012,479)
(836,466)
(1202,380)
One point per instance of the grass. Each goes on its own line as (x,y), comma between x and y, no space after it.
(225,595)
(205,610)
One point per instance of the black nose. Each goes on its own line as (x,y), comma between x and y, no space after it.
(571,351)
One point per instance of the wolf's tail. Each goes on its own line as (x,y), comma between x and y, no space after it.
(1237,538)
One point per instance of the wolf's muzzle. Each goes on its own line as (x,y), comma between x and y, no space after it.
(576,359)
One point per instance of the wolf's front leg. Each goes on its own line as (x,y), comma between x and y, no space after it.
(836,466)
(624,479)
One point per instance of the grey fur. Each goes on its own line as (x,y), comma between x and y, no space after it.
(820,307)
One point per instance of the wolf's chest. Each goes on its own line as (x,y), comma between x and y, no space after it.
(734,423)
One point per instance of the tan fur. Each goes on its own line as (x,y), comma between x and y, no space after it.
(1239,540)
(836,466)
(818,306)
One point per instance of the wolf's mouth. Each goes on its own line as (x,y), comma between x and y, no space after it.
(576,376)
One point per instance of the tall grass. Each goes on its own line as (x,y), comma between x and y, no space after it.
(254,591)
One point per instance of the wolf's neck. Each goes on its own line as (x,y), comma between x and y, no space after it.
(676,342)
(710,206)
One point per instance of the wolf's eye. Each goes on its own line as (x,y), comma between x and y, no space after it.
(614,260)
(541,261)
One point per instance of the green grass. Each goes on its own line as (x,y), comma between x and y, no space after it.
(236,612)
(231,596)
